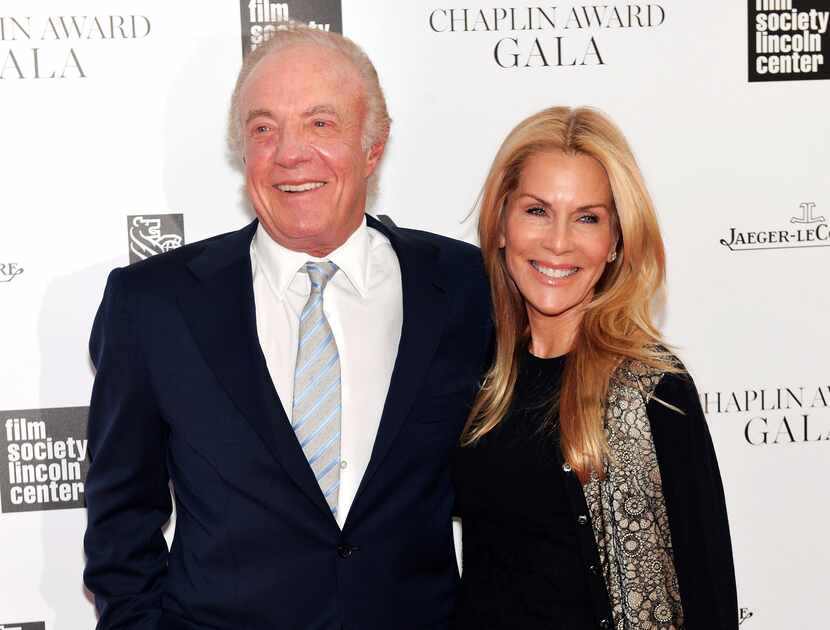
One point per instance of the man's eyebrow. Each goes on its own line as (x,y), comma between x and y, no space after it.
(256,113)
(311,111)
(320,109)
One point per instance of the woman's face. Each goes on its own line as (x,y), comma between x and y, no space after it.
(557,235)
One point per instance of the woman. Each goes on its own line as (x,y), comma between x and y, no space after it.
(587,484)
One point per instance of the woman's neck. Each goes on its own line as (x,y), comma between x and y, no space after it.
(553,336)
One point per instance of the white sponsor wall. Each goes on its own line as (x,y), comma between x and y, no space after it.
(125,117)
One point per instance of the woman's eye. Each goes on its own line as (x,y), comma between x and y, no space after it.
(589,218)
(537,211)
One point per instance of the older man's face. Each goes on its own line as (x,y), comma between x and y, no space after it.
(302,111)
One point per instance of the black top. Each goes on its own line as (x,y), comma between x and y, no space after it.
(529,554)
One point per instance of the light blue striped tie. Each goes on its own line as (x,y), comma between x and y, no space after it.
(316,412)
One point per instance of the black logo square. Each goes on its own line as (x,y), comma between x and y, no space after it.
(43,459)
(789,40)
(261,18)
(151,234)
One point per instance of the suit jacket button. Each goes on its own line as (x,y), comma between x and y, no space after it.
(604,624)
(582,519)
(344,551)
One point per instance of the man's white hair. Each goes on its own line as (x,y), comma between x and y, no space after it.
(376,123)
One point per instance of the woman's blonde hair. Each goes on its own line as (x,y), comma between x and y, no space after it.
(616,324)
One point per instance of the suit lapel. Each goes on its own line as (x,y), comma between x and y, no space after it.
(424,307)
(220,311)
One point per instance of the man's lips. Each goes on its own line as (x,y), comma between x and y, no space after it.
(556,272)
(297,187)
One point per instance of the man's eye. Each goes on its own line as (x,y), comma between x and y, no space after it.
(321,123)
(261,129)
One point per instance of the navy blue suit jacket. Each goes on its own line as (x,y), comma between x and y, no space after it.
(182,394)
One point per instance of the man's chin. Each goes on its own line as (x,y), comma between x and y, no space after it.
(314,240)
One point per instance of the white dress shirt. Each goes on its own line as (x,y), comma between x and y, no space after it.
(363,303)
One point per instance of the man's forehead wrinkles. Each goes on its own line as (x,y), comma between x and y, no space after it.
(314,110)
(323,108)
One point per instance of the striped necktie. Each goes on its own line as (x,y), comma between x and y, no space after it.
(316,411)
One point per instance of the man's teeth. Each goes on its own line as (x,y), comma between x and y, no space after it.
(300,187)
(554,273)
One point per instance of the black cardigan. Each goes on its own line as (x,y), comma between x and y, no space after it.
(486,477)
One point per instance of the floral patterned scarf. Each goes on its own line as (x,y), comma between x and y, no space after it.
(628,511)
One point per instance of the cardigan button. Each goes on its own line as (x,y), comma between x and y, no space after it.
(582,519)
(593,569)
(566,467)
(604,624)
(345,551)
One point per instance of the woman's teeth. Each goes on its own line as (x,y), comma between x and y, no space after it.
(554,273)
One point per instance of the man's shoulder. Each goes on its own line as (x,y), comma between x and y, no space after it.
(448,248)
(461,267)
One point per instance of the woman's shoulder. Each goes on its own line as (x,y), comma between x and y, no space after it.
(670,386)
(647,374)
(672,406)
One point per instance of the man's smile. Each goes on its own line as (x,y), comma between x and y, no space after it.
(302,187)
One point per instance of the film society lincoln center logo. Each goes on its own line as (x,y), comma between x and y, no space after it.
(261,18)
(43,461)
(31,625)
(788,40)
(151,234)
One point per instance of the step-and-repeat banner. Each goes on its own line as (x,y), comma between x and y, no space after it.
(112,128)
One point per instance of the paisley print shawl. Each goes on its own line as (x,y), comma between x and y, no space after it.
(628,511)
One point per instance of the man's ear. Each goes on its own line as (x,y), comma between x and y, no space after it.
(373,156)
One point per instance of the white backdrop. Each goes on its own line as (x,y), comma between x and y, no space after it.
(133,123)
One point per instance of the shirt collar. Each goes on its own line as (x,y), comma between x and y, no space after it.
(280,264)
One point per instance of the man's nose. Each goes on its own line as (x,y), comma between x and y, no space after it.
(291,148)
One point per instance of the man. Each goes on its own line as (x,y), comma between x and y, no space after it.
(302,382)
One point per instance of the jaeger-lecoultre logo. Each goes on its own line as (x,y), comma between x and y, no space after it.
(808,229)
